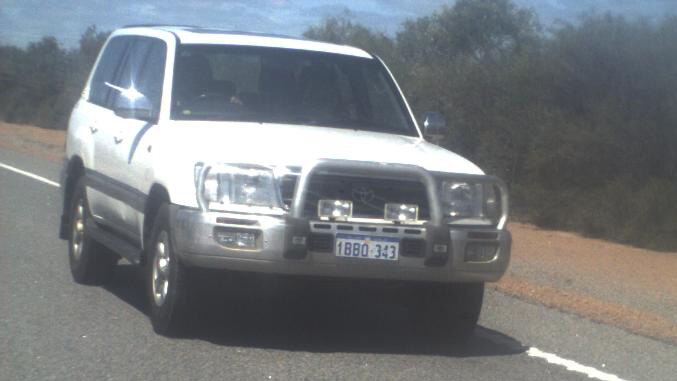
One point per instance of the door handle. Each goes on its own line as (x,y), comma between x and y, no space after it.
(93,129)
(117,140)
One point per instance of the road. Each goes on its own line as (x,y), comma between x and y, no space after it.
(52,328)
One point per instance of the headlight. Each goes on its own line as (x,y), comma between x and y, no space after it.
(465,202)
(226,185)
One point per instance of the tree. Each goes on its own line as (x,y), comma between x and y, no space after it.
(41,83)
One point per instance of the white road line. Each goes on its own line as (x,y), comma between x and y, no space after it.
(551,358)
(28,174)
(572,366)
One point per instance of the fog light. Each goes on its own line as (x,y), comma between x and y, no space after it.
(335,209)
(401,212)
(236,239)
(480,252)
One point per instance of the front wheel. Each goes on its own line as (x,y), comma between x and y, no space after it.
(166,279)
(446,310)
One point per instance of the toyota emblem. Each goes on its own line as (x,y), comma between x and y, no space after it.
(362,194)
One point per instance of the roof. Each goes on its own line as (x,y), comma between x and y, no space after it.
(197,35)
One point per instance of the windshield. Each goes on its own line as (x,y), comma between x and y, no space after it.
(274,85)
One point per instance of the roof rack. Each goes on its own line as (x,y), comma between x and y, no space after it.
(242,33)
(200,29)
(208,30)
(159,25)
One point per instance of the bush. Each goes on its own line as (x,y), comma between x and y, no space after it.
(40,84)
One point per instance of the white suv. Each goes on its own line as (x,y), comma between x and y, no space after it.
(246,152)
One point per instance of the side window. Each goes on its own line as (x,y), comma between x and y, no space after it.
(143,70)
(152,74)
(106,70)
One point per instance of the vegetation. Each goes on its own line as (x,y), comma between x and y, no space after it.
(581,120)
(40,84)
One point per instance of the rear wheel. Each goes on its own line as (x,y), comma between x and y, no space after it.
(90,262)
(166,279)
(446,310)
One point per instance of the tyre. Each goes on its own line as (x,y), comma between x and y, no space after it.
(166,279)
(448,311)
(90,262)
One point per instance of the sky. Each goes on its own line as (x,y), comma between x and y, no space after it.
(24,21)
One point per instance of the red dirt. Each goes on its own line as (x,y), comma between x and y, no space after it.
(34,141)
(623,316)
(628,287)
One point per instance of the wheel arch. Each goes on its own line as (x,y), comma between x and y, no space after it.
(157,195)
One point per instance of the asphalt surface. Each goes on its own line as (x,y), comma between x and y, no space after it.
(262,328)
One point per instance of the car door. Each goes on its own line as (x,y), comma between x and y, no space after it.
(131,136)
(97,111)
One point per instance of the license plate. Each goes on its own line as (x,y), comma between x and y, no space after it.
(368,247)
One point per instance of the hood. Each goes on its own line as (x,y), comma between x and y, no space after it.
(295,145)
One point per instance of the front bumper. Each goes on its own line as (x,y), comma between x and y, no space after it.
(276,252)
(286,243)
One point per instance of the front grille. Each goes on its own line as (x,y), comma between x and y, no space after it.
(321,242)
(369,195)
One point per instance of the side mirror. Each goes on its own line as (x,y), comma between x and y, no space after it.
(434,126)
(131,104)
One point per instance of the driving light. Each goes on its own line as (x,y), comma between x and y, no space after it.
(401,212)
(335,209)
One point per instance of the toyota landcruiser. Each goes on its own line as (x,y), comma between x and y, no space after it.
(198,148)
